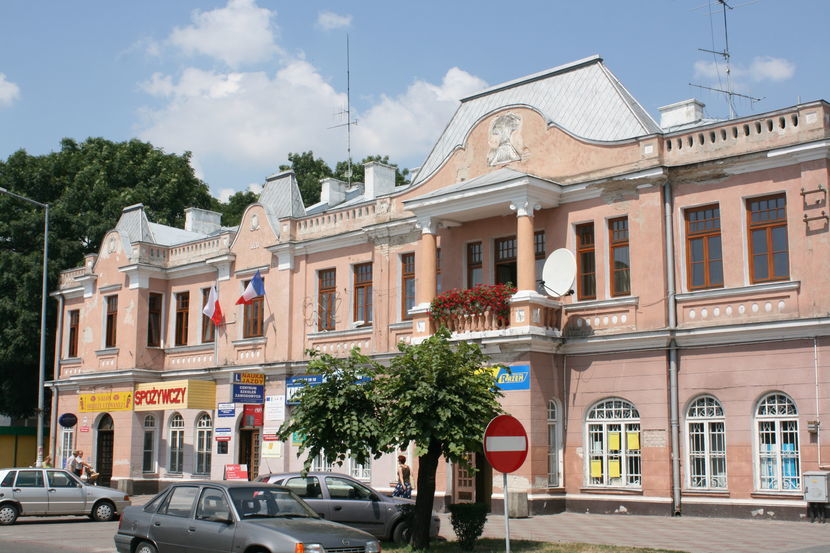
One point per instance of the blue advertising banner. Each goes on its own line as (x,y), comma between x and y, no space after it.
(517,379)
(248,393)
(294,383)
(226,410)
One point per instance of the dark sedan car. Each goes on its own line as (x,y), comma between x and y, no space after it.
(343,499)
(213,517)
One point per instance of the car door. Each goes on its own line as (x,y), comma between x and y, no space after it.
(30,491)
(354,504)
(66,494)
(170,523)
(212,528)
(309,489)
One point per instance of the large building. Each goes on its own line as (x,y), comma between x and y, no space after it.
(687,372)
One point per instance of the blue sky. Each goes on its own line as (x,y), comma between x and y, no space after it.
(241,83)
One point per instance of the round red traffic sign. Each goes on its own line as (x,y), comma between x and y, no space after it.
(505,443)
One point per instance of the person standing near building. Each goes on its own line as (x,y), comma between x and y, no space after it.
(67,464)
(403,488)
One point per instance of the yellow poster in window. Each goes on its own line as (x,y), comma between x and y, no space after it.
(614,468)
(633,440)
(596,468)
(614,441)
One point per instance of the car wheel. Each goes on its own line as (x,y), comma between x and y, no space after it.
(8,514)
(402,533)
(103,511)
(146,547)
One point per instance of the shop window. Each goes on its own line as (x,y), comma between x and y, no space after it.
(704,260)
(176,444)
(619,256)
(586,262)
(407,284)
(768,247)
(475,269)
(74,318)
(505,260)
(614,444)
(778,457)
(363,294)
(208,328)
(111,321)
(707,444)
(154,320)
(148,456)
(204,440)
(253,315)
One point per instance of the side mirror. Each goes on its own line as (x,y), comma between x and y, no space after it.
(224,519)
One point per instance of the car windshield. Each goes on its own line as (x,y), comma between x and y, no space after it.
(268,502)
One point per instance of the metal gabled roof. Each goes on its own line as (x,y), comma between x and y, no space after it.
(281,198)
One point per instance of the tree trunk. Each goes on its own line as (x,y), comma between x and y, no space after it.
(427,467)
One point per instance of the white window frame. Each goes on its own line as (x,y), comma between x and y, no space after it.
(65,447)
(176,429)
(202,443)
(776,417)
(606,417)
(706,441)
(554,445)
(350,466)
(148,427)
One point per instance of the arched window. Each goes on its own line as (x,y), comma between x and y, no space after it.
(776,421)
(553,444)
(204,435)
(176,443)
(614,444)
(707,444)
(148,460)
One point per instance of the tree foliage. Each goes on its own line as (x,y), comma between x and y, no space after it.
(434,394)
(233,209)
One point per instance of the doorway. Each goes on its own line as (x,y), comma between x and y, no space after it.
(249,450)
(104,450)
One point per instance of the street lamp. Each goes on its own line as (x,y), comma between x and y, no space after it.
(42,363)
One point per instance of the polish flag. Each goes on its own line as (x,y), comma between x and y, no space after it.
(212,310)
(255,288)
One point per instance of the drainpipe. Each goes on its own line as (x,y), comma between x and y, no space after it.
(53,424)
(672,314)
(818,411)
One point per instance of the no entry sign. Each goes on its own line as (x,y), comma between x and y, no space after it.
(505,443)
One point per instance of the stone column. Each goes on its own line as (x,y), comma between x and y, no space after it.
(525,248)
(425,277)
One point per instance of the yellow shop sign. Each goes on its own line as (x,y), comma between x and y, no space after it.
(111,401)
(176,394)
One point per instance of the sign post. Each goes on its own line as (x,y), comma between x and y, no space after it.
(505,446)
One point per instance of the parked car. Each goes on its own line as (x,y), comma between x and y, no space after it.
(341,498)
(33,491)
(213,517)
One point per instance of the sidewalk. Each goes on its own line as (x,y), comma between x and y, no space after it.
(690,534)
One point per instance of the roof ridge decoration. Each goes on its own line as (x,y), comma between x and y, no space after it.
(583,98)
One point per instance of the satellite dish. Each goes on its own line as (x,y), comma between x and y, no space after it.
(559,272)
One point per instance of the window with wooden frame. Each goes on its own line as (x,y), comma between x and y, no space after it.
(111,321)
(539,253)
(326,299)
(620,259)
(154,320)
(407,284)
(439,286)
(182,317)
(74,319)
(363,293)
(586,264)
(704,260)
(475,270)
(208,328)
(253,315)
(505,260)
(767,229)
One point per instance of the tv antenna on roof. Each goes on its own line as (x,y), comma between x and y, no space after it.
(348,113)
(728,92)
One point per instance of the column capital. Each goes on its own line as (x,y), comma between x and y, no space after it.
(524,206)
(428,225)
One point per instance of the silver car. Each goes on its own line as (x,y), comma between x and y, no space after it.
(341,498)
(38,492)
(213,517)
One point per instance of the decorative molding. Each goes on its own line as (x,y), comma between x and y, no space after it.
(249,341)
(222,264)
(251,271)
(106,351)
(109,288)
(601,304)
(525,206)
(187,349)
(339,333)
(428,225)
(403,325)
(740,291)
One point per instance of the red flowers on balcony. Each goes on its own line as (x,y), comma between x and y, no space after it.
(492,301)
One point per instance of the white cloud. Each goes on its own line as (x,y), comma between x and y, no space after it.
(9,91)
(226,193)
(239,33)
(762,68)
(330,20)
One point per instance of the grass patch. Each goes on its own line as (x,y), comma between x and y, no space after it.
(524,546)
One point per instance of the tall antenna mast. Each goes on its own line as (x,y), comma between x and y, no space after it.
(348,112)
(729,93)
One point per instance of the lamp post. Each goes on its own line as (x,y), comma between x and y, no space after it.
(42,362)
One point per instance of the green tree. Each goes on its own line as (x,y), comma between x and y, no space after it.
(308,170)
(434,394)
(359,174)
(233,209)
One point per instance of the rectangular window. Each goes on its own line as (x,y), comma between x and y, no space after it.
(208,328)
(182,316)
(768,249)
(539,251)
(74,318)
(176,450)
(505,260)
(475,271)
(620,264)
(586,267)
(704,261)
(439,286)
(407,284)
(154,320)
(326,299)
(253,315)
(112,321)
(363,293)
(148,457)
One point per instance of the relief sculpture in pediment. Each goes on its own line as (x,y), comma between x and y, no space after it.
(502,136)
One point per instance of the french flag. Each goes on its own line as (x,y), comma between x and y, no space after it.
(255,288)
(212,310)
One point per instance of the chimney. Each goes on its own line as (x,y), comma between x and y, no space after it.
(202,220)
(380,179)
(332,191)
(681,113)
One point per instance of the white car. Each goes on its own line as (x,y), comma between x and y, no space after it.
(39,492)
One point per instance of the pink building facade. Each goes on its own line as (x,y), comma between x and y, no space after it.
(688,371)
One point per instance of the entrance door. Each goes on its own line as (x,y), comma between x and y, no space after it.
(104,450)
(464,482)
(249,450)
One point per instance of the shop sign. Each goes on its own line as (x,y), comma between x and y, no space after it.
(269,433)
(68,420)
(271,449)
(84,429)
(177,394)
(113,401)
(517,378)
(247,393)
(275,408)
(222,434)
(236,472)
(293,384)
(226,410)
(256,379)
(252,416)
